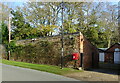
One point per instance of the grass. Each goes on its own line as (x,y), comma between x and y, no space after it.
(41,67)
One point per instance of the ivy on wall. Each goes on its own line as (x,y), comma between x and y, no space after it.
(44,51)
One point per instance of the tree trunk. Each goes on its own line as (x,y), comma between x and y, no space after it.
(109,42)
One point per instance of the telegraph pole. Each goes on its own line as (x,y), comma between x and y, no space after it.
(9,30)
(62,37)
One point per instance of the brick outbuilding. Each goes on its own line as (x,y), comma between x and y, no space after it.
(112,54)
(88,53)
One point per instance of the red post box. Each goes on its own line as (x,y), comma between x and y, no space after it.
(75,56)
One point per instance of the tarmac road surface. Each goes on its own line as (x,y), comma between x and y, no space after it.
(13,73)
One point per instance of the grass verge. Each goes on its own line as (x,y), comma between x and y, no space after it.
(41,67)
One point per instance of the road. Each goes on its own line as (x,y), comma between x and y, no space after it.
(13,73)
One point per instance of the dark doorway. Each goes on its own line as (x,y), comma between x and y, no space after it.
(92,59)
(81,59)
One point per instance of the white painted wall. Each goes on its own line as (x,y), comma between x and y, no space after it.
(117,56)
(102,57)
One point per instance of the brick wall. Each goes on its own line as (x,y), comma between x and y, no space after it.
(89,51)
(91,56)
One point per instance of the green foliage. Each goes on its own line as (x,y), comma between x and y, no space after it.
(91,19)
(12,45)
(46,30)
(4,33)
(92,35)
(33,52)
(45,51)
(68,27)
(21,28)
(39,19)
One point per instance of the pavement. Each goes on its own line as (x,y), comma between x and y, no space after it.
(13,73)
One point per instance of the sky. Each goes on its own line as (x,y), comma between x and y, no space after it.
(13,3)
(60,0)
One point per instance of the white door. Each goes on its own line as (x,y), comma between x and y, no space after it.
(101,57)
(117,56)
